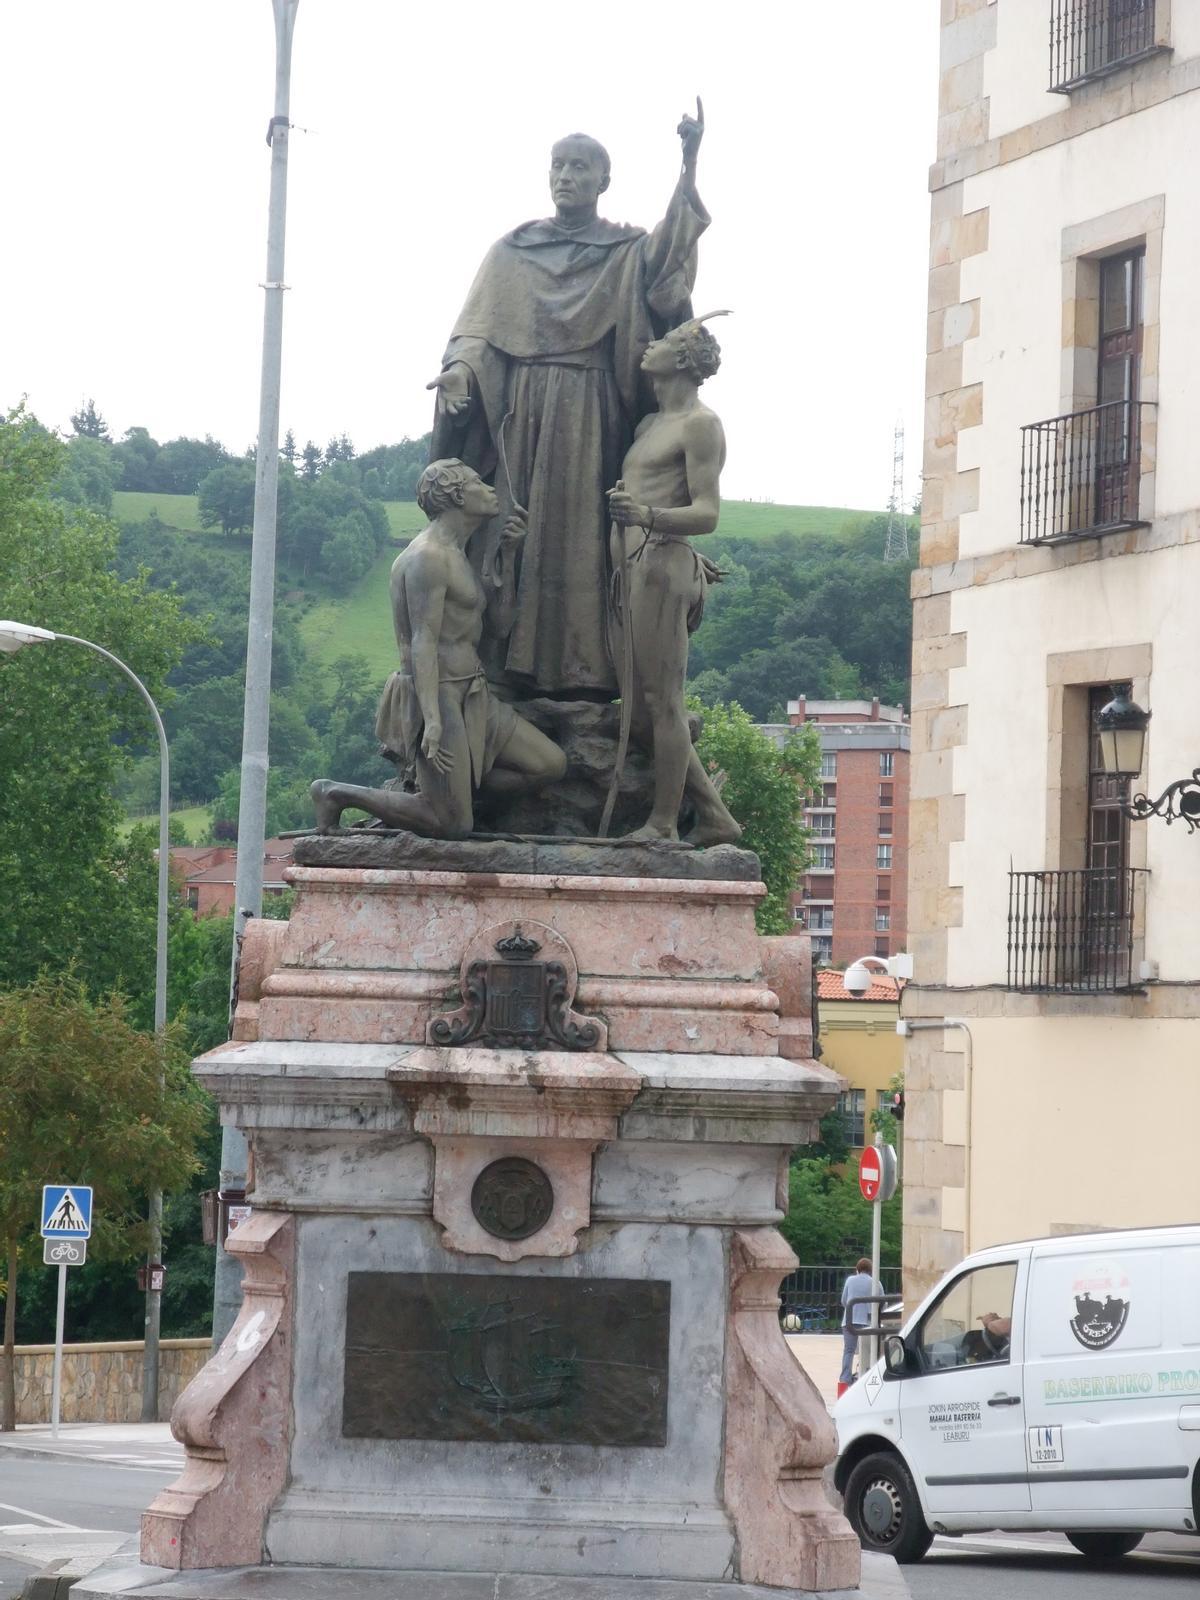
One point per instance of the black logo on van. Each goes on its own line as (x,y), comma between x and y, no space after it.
(1097,1324)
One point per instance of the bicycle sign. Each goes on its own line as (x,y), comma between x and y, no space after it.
(64,1252)
(66,1211)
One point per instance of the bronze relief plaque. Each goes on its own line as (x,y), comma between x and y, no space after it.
(512,1198)
(497,1360)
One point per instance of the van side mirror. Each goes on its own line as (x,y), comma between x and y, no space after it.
(895,1356)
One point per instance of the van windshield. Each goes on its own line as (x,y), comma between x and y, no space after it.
(971,1322)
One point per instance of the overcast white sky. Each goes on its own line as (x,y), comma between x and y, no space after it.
(135,190)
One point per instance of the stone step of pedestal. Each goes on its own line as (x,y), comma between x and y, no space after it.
(881,1580)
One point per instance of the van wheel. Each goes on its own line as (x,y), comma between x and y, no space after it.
(1105,1546)
(883,1508)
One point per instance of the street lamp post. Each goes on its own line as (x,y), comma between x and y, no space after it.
(16,636)
(252,803)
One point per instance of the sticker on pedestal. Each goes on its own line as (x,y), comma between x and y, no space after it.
(518,982)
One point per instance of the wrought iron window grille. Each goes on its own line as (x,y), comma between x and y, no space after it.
(1073,931)
(1081,472)
(1091,38)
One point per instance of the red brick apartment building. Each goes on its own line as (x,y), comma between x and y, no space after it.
(854,897)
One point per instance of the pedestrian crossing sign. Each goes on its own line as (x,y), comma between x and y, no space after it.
(66,1211)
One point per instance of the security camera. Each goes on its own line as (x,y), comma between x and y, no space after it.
(857,979)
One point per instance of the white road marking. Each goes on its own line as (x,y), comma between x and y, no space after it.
(1041,1547)
(37,1516)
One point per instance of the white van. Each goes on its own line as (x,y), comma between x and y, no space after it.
(1053,1384)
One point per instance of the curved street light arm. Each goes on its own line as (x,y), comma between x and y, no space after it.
(164,812)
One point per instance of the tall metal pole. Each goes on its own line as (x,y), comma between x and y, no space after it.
(252,807)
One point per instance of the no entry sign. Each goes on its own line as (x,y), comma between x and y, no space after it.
(877,1172)
(870,1173)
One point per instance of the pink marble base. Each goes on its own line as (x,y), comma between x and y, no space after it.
(233,1418)
(376,956)
(778,1438)
(566,1162)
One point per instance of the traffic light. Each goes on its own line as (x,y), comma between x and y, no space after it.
(898,1105)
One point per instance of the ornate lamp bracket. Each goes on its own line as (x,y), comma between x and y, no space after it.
(1180,799)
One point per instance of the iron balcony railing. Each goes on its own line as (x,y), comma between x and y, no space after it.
(1081,473)
(1072,932)
(1091,38)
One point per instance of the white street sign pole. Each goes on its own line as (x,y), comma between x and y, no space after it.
(876,1225)
(56,1392)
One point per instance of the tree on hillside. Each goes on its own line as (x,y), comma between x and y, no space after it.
(764,787)
(226,498)
(310,462)
(89,473)
(136,454)
(288,451)
(88,423)
(84,1095)
(181,463)
(64,870)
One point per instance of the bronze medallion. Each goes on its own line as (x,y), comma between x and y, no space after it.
(512,1198)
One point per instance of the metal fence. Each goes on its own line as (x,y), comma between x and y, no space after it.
(813,1295)
(1081,472)
(1072,932)
(1089,38)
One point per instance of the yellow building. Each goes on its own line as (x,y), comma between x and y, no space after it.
(859,1040)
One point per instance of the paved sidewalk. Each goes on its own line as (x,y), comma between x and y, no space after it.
(820,1354)
(148,1444)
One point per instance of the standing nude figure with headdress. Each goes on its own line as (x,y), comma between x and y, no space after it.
(669,491)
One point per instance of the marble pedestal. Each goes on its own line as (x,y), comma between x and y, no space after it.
(578,1371)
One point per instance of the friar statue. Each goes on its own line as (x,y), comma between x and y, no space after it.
(541,390)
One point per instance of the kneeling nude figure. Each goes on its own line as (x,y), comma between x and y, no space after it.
(669,490)
(438,713)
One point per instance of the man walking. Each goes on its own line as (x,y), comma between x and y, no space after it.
(855,1318)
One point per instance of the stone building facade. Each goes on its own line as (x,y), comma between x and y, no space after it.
(1060,555)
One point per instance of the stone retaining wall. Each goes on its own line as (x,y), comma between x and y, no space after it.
(103,1382)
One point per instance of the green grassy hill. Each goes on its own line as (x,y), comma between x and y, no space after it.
(360,622)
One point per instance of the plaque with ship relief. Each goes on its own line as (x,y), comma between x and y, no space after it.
(483,1359)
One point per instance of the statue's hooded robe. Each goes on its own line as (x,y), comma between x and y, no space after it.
(553,331)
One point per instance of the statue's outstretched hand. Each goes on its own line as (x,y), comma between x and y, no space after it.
(691,131)
(453,391)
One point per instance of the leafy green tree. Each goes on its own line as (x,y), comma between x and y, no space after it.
(84,1096)
(310,462)
(347,555)
(226,498)
(65,872)
(828,1220)
(88,475)
(288,451)
(181,463)
(288,802)
(136,454)
(764,787)
(88,423)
